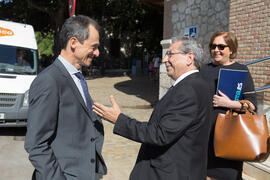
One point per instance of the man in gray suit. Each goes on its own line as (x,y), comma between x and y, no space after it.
(64,136)
(175,140)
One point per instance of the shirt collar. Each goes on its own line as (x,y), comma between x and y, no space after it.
(70,68)
(184,75)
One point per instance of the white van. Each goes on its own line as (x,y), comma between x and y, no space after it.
(18,68)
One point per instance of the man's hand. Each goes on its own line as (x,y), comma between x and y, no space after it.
(108,113)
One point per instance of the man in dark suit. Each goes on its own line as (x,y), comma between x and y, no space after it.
(174,141)
(64,136)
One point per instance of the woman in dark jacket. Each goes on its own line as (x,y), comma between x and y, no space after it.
(223,49)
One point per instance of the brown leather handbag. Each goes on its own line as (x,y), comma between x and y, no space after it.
(242,136)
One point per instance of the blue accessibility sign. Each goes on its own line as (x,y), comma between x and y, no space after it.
(191,31)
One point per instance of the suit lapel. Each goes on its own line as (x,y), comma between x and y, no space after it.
(172,89)
(71,84)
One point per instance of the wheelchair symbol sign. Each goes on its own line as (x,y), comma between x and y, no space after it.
(191,31)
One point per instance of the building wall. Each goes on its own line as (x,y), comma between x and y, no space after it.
(208,15)
(248,19)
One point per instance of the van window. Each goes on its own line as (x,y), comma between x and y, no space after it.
(15,60)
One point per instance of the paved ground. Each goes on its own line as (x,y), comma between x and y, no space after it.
(134,95)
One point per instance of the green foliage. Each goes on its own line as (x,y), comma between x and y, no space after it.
(138,27)
(45,43)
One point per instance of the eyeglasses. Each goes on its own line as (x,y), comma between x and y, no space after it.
(219,46)
(170,53)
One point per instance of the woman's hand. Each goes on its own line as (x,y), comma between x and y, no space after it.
(108,113)
(222,100)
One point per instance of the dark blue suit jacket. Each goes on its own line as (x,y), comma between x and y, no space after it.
(63,140)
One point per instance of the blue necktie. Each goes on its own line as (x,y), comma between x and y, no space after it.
(85,91)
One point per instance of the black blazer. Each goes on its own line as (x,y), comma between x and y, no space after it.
(175,140)
(63,140)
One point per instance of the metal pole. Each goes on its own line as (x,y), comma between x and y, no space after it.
(256,61)
(257,90)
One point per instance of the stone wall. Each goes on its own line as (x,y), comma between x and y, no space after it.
(208,15)
(248,19)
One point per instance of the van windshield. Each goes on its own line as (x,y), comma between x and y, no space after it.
(17,60)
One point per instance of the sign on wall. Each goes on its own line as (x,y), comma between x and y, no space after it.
(191,31)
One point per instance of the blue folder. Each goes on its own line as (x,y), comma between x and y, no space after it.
(232,82)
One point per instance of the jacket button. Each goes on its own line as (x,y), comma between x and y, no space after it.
(92,160)
(92,139)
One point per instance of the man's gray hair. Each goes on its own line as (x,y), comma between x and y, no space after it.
(191,45)
(76,26)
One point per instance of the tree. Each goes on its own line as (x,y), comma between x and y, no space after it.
(136,25)
(46,16)
(45,43)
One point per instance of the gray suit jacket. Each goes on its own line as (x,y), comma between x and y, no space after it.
(175,140)
(64,142)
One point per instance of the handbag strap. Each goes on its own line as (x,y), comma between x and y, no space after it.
(244,108)
(247,110)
